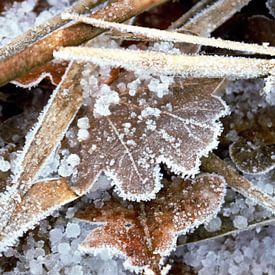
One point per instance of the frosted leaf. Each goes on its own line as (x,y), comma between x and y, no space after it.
(252,157)
(52,71)
(140,133)
(39,202)
(145,233)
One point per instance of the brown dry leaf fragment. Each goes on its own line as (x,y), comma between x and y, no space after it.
(145,233)
(143,131)
(39,202)
(252,157)
(53,71)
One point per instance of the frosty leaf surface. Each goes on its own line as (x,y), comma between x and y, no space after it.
(252,157)
(141,131)
(39,202)
(147,232)
(53,71)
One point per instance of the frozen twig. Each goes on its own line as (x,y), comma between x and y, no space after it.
(190,13)
(184,65)
(211,18)
(41,52)
(37,33)
(173,36)
(214,164)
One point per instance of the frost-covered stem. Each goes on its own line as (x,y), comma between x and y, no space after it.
(41,52)
(37,33)
(162,35)
(43,139)
(214,164)
(228,230)
(161,63)
(51,127)
(214,16)
(190,13)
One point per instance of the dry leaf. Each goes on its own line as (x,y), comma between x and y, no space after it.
(252,157)
(143,131)
(53,71)
(145,233)
(39,202)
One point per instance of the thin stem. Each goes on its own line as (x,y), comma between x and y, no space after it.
(37,33)
(190,13)
(214,164)
(173,36)
(161,63)
(214,16)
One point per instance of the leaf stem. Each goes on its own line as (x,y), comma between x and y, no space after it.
(214,164)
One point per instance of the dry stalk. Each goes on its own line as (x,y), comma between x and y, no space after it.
(214,16)
(200,5)
(214,164)
(41,52)
(161,35)
(37,33)
(161,63)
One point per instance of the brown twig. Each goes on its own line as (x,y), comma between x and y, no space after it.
(37,33)
(190,13)
(41,52)
(214,16)
(214,164)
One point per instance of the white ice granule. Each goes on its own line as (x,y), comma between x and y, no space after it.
(64,248)
(73,160)
(65,170)
(55,235)
(82,134)
(240,222)
(83,123)
(36,267)
(106,98)
(4,165)
(72,230)
(132,86)
(20,17)
(213,225)
(149,111)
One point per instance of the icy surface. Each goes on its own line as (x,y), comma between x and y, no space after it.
(21,17)
(249,252)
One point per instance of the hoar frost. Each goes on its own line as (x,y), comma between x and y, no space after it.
(104,100)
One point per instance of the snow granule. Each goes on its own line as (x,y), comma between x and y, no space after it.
(73,160)
(82,134)
(240,222)
(64,248)
(72,230)
(4,165)
(213,225)
(104,101)
(83,123)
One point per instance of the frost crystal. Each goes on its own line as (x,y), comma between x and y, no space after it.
(4,165)
(104,101)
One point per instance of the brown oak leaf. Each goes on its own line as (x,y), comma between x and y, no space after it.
(143,131)
(145,233)
(252,157)
(52,70)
